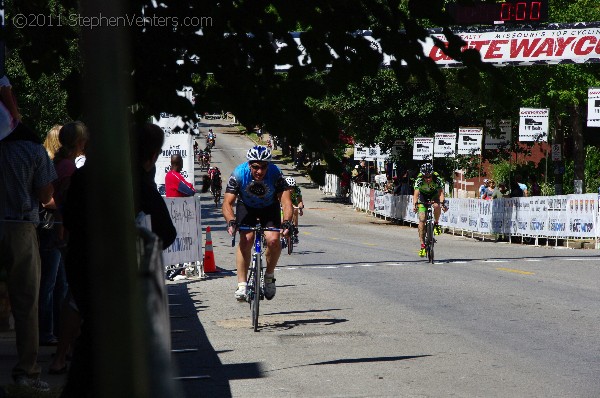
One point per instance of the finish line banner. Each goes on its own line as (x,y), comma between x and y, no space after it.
(556,43)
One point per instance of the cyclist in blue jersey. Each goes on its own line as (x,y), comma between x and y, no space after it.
(260,190)
(428,186)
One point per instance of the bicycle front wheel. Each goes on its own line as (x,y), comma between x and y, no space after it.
(430,242)
(255,303)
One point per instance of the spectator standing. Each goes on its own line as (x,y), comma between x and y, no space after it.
(176,186)
(489,191)
(147,144)
(536,190)
(499,191)
(522,186)
(51,142)
(10,116)
(483,189)
(26,175)
(53,286)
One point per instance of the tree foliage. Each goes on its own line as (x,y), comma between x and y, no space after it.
(225,52)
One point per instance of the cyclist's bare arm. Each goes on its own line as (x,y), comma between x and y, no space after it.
(300,205)
(416,200)
(285,198)
(227,210)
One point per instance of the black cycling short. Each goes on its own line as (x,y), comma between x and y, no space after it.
(269,216)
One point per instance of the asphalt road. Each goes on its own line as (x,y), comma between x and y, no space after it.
(359,314)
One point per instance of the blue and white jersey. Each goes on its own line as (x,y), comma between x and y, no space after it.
(257,194)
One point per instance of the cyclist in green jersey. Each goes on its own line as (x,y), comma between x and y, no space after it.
(429,186)
(297,203)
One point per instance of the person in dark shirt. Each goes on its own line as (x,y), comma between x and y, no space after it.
(147,143)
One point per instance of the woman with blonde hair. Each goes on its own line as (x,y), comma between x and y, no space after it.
(51,143)
(53,287)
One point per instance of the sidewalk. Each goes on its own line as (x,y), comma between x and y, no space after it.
(8,359)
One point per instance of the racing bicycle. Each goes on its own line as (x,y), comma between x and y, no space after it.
(429,228)
(256,274)
(216,186)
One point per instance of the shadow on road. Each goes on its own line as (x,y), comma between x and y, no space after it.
(197,364)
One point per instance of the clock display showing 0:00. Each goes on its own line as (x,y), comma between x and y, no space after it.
(521,11)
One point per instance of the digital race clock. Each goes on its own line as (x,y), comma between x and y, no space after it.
(512,11)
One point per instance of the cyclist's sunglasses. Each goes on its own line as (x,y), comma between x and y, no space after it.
(427,176)
(258,166)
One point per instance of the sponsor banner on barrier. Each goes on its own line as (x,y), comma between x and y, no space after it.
(185,214)
(565,216)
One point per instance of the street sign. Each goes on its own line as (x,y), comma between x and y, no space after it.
(593,116)
(469,140)
(500,140)
(556,153)
(369,153)
(533,124)
(422,148)
(445,145)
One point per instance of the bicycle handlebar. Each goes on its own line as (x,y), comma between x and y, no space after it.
(249,228)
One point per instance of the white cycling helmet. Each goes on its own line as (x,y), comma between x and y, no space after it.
(259,153)
(426,168)
(291,181)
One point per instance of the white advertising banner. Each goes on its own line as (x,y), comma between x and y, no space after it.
(582,210)
(422,148)
(185,214)
(445,145)
(593,116)
(369,153)
(175,144)
(552,45)
(533,124)
(469,140)
(502,138)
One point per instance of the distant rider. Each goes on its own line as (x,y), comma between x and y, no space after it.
(298,205)
(260,190)
(429,186)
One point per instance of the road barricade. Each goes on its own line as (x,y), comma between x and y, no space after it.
(563,217)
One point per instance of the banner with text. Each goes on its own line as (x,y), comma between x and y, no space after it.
(445,145)
(175,144)
(469,140)
(593,116)
(533,124)
(578,43)
(422,148)
(501,137)
(186,216)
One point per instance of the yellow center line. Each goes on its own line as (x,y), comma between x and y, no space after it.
(370,244)
(334,238)
(516,271)
(305,233)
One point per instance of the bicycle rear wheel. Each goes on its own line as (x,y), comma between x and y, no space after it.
(255,303)
(290,244)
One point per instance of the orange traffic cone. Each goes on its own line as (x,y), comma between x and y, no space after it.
(209,256)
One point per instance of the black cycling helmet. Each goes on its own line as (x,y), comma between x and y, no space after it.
(426,168)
